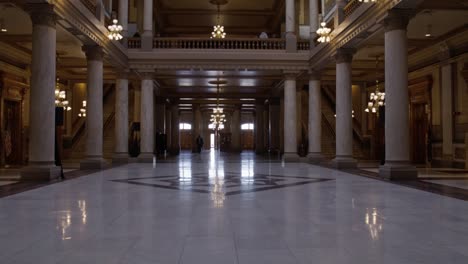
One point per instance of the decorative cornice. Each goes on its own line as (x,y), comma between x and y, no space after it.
(42,14)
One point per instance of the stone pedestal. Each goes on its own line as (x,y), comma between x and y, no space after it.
(315,119)
(290,119)
(147,121)
(121,121)
(94,109)
(397,134)
(344,120)
(41,164)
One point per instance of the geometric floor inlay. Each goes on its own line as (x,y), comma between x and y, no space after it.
(231,183)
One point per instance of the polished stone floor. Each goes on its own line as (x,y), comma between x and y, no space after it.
(213,208)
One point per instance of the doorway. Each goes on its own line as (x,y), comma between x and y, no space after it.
(12,132)
(212,140)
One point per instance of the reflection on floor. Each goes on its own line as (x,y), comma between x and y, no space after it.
(335,217)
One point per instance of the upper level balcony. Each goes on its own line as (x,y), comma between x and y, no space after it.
(241,44)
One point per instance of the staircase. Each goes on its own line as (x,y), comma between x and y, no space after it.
(329,129)
(80,133)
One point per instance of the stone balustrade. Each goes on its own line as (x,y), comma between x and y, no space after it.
(228,44)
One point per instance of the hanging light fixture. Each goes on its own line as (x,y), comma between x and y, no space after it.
(82,112)
(3,26)
(61,97)
(377,98)
(324,33)
(218,30)
(218,118)
(115,29)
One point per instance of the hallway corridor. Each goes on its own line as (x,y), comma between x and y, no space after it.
(226,208)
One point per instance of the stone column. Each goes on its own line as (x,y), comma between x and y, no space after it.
(266,142)
(446,73)
(313,20)
(235,130)
(94,111)
(121,120)
(290,118)
(168,127)
(147,120)
(274,125)
(259,127)
(136,104)
(290,34)
(147,36)
(344,108)
(196,127)
(397,149)
(315,119)
(41,165)
(123,17)
(175,144)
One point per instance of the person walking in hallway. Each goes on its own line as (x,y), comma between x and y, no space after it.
(199,143)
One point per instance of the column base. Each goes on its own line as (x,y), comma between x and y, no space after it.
(38,171)
(174,151)
(291,42)
(120,158)
(344,162)
(93,163)
(398,171)
(315,158)
(291,157)
(146,157)
(147,41)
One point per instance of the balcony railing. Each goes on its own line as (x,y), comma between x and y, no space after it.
(231,44)
(226,44)
(351,7)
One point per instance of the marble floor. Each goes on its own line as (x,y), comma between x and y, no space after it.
(213,208)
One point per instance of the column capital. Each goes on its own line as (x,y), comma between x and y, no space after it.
(290,75)
(314,75)
(93,52)
(397,19)
(147,75)
(42,14)
(344,55)
(122,73)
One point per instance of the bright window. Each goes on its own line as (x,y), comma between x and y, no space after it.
(185,126)
(210,126)
(247,126)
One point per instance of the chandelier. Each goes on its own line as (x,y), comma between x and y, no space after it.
(218,30)
(218,117)
(82,112)
(324,33)
(114,30)
(61,97)
(377,98)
